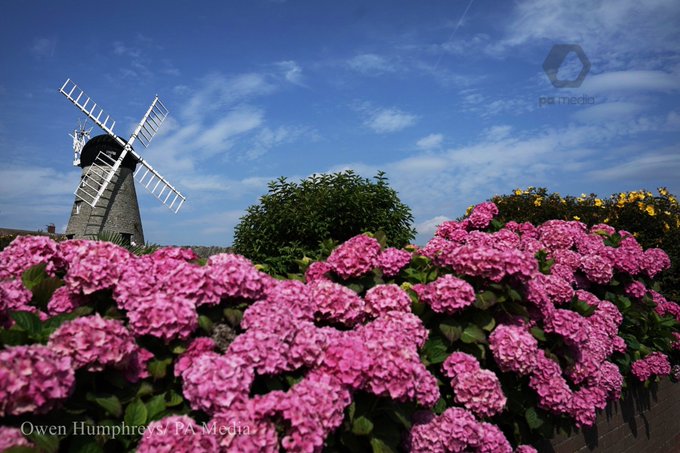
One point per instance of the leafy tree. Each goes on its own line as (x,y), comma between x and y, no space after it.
(294,219)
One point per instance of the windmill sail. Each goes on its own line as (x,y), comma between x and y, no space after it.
(89,107)
(158,186)
(104,168)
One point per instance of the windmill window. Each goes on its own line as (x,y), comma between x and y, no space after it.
(126,238)
(78,207)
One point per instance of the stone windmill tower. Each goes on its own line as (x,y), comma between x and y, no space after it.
(106,199)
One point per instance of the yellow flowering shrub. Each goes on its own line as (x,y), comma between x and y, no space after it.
(654,219)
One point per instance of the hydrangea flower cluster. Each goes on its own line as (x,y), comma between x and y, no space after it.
(176,434)
(27,251)
(514,349)
(655,364)
(391,261)
(382,299)
(33,379)
(355,257)
(14,297)
(478,390)
(456,430)
(94,343)
(12,437)
(94,266)
(448,294)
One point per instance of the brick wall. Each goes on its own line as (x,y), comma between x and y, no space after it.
(644,421)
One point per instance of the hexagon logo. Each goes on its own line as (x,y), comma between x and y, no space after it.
(556,57)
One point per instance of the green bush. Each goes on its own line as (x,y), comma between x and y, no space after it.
(293,219)
(654,220)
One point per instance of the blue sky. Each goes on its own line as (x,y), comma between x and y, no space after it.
(442,95)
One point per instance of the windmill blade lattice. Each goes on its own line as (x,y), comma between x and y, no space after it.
(88,107)
(104,167)
(158,186)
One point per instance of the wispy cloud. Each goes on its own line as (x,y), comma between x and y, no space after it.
(385,120)
(44,47)
(602,27)
(429,226)
(217,91)
(292,71)
(371,64)
(431,141)
(632,81)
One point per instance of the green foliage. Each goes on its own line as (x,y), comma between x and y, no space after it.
(653,219)
(293,219)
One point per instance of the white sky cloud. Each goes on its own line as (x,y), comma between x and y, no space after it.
(430,141)
(370,64)
(388,120)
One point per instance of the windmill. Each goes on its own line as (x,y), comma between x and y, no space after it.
(106,199)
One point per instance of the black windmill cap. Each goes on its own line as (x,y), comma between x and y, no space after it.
(105,143)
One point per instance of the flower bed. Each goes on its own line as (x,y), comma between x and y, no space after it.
(490,338)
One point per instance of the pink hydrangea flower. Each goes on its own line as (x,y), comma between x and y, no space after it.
(396,369)
(514,349)
(337,303)
(655,261)
(456,430)
(14,297)
(348,359)
(214,382)
(655,364)
(313,408)
(459,363)
(12,437)
(391,261)
(176,434)
(33,379)
(482,215)
(385,298)
(636,289)
(27,251)
(479,392)
(235,276)
(196,349)
(94,342)
(318,270)
(452,231)
(163,316)
(95,265)
(63,300)
(597,269)
(240,429)
(355,256)
(448,294)
(492,440)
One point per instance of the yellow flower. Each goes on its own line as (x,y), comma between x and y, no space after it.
(563,201)
(537,201)
(666,227)
(606,220)
(598,202)
(518,192)
(650,210)
(469,209)
(663,192)
(577,217)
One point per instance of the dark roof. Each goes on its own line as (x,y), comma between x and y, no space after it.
(104,143)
